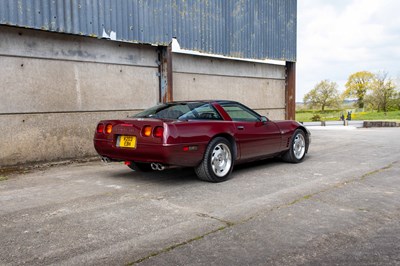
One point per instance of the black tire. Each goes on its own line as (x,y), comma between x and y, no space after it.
(219,150)
(140,167)
(297,149)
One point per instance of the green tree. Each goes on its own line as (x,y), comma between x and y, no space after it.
(384,94)
(397,94)
(357,86)
(324,94)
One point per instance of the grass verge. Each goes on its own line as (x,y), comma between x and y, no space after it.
(334,115)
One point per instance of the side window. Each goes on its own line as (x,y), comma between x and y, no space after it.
(240,113)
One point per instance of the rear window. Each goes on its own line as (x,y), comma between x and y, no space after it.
(182,111)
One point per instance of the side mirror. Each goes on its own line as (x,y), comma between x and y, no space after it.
(264,120)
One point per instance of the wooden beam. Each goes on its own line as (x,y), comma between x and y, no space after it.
(290,91)
(166,77)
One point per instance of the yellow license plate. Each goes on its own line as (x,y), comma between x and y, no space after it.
(127,142)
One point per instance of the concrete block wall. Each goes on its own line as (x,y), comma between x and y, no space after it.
(257,85)
(54,88)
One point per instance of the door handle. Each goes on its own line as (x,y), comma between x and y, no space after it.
(240,127)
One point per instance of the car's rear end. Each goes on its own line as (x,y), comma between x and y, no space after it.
(140,140)
(127,139)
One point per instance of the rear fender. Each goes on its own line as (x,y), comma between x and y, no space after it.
(232,140)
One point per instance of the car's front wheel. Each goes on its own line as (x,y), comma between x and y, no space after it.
(297,149)
(217,163)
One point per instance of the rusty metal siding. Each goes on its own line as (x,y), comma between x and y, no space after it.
(259,29)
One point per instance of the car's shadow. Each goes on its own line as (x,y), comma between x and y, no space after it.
(171,176)
(265,163)
(179,176)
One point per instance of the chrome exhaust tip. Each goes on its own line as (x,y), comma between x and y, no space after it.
(105,159)
(157,166)
(153,166)
(161,167)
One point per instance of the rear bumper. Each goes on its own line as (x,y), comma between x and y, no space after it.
(151,153)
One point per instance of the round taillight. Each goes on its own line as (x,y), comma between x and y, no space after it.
(100,128)
(146,131)
(108,128)
(158,132)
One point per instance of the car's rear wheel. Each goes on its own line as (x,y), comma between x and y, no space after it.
(297,149)
(140,167)
(217,163)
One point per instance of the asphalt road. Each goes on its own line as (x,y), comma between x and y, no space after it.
(341,206)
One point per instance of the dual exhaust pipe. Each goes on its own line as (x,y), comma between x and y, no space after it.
(105,159)
(157,166)
(154,166)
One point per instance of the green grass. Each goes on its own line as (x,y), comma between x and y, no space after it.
(393,116)
(3,178)
(334,115)
(305,116)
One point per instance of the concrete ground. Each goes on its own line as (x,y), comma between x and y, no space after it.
(341,206)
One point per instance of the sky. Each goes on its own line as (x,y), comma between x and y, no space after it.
(336,38)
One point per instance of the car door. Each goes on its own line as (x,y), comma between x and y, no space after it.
(255,138)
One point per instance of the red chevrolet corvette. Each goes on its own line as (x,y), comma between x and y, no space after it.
(210,136)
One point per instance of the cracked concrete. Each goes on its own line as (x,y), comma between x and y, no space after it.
(340,206)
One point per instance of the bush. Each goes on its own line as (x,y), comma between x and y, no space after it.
(316,117)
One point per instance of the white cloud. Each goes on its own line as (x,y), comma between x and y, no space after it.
(338,38)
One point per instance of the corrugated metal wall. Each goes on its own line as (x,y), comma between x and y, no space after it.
(259,29)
